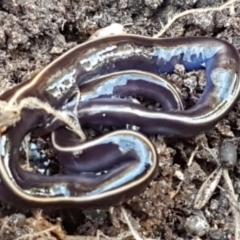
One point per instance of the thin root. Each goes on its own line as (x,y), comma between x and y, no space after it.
(228,4)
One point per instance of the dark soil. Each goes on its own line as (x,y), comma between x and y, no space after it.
(33,33)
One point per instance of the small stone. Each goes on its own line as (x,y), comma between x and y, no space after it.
(197,225)
(153,4)
(228,154)
(19,219)
(217,234)
(214,205)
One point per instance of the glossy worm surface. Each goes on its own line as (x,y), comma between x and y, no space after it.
(110,73)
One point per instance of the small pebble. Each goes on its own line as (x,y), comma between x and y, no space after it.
(217,234)
(228,154)
(214,205)
(18,219)
(197,225)
(112,29)
(224,203)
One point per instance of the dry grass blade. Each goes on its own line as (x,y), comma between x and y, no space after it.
(235,210)
(207,188)
(45,234)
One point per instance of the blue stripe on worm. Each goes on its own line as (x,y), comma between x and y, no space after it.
(81,68)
